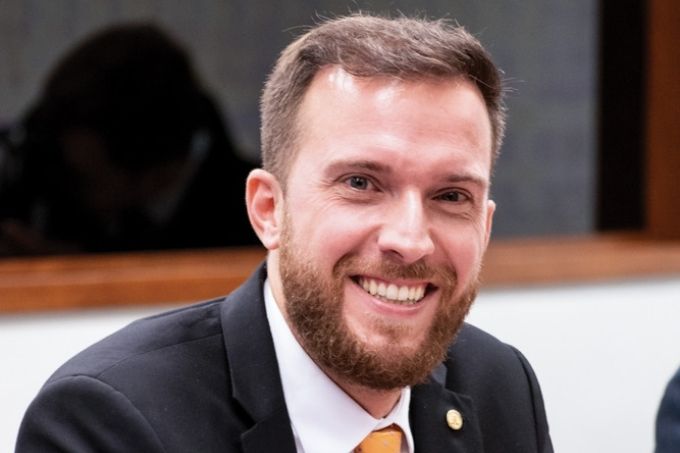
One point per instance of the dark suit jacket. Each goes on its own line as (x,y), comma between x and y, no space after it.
(668,418)
(205,379)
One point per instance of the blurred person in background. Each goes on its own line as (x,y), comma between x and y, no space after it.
(668,418)
(124,150)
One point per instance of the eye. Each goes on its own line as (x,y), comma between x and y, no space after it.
(358,182)
(453,196)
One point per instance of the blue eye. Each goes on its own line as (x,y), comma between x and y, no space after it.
(358,182)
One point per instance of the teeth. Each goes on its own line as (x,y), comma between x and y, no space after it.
(392,292)
(372,288)
(402,294)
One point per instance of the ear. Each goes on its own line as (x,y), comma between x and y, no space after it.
(264,201)
(490,209)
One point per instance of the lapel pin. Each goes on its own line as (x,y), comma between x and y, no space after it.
(454,419)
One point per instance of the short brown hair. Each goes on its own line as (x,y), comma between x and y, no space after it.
(370,46)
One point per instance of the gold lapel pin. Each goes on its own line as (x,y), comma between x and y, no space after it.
(454,419)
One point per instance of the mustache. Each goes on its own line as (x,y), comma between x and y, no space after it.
(419,270)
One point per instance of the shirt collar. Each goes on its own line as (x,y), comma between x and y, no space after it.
(323,417)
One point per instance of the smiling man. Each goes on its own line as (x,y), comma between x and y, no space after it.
(379,137)
(377,234)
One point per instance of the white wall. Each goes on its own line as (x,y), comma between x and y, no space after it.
(603,354)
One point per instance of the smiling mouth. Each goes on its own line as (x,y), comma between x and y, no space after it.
(393,293)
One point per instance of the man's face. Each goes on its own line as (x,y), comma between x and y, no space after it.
(386,218)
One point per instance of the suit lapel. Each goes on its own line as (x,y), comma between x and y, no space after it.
(254,371)
(430,403)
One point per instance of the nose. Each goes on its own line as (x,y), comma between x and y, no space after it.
(405,233)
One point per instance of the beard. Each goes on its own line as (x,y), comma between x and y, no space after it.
(314,308)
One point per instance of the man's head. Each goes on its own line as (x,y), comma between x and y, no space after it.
(368,46)
(377,214)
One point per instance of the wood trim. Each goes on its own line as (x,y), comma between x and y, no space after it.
(663,131)
(89,281)
(96,281)
(583,259)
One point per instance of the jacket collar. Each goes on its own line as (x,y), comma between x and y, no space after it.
(254,372)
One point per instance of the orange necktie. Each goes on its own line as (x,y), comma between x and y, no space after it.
(386,440)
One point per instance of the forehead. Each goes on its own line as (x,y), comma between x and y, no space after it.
(341,113)
(444,102)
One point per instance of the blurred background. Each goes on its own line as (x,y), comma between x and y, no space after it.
(596,318)
(546,181)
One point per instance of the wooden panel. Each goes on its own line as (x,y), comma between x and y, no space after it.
(122,279)
(663,129)
(579,259)
(165,277)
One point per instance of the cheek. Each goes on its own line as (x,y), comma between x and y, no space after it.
(464,249)
(327,230)
(340,236)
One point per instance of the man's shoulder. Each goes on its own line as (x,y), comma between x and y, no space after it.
(148,341)
(473,340)
(491,371)
(173,348)
(477,356)
(161,381)
(502,387)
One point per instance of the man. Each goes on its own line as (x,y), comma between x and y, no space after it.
(378,139)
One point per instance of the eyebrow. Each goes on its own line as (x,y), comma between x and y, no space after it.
(378,167)
(468,178)
(366,165)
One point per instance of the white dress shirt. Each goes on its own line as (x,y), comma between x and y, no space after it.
(323,417)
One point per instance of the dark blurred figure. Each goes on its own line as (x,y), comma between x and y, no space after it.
(123,151)
(668,418)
